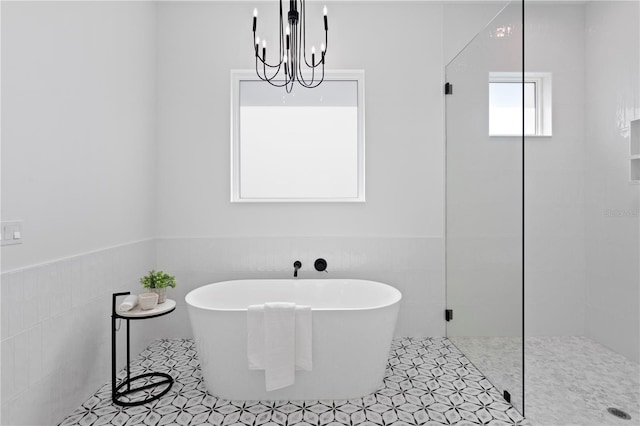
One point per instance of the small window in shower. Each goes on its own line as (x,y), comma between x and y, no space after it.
(505,104)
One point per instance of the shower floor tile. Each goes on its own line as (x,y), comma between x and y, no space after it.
(428,382)
(569,380)
(595,378)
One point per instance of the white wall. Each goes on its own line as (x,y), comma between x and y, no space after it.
(612,203)
(198,44)
(554,176)
(78,102)
(78,165)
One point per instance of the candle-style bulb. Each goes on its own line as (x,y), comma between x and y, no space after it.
(264,44)
(257,41)
(288,30)
(324,11)
(284,59)
(255,19)
(326,25)
(313,50)
(322,47)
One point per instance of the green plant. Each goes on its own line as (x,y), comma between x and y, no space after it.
(158,279)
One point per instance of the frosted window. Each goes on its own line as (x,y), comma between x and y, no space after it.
(505,103)
(505,108)
(313,154)
(307,145)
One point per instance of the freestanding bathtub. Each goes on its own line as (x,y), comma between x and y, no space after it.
(353,324)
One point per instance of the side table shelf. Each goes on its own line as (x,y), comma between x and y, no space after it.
(125,388)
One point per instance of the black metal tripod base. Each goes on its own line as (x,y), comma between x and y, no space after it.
(117,394)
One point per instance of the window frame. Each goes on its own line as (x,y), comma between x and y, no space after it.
(237,76)
(543,97)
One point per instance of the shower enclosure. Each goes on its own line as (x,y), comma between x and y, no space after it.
(545,221)
(484,201)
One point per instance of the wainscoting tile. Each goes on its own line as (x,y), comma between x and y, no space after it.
(21,362)
(4,306)
(30,303)
(8,373)
(16,298)
(35,351)
(55,326)
(47,284)
(413,265)
(60,294)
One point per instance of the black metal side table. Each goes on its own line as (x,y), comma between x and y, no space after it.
(125,388)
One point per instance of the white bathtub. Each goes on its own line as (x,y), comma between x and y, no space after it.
(353,324)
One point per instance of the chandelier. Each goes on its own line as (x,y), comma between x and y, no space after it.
(292,58)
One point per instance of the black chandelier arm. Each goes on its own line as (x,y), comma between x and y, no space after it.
(311,84)
(322,53)
(280,44)
(264,62)
(270,79)
(281,37)
(258,72)
(326,43)
(289,88)
(301,78)
(303,31)
(304,38)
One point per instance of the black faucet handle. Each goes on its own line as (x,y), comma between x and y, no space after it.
(297,264)
(320,264)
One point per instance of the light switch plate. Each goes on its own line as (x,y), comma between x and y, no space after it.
(11,232)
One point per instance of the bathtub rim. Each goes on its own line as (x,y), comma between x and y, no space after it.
(396,295)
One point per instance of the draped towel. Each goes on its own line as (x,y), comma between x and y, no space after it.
(279,341)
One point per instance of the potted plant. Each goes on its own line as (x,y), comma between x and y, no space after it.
(157,282)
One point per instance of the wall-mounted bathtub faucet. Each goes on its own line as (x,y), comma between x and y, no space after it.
(320,265)
(296,265)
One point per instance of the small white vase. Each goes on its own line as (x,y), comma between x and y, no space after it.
(147,301)
(161,292)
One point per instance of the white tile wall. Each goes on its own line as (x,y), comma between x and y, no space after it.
(415,266)
(612,240)
(554,176)
(56,326)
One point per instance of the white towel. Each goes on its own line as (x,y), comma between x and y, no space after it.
(129,303)
(287,333)
(280,345)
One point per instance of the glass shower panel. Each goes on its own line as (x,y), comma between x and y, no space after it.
(484,218)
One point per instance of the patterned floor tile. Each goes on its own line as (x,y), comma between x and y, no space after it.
(427,382)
